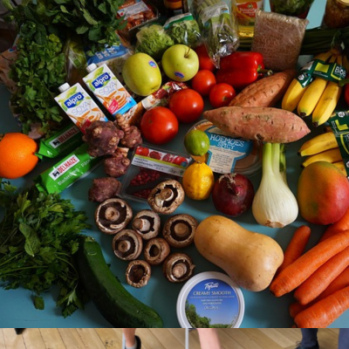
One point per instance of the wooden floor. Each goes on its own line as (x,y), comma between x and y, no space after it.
(102,338)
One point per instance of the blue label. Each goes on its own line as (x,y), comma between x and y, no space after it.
(107,54)
(74,100)
(179,74)
(101,80)
(152,64)
(212,303)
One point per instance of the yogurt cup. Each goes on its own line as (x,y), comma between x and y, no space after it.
(211,295)
(227,154)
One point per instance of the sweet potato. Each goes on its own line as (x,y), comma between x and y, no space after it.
(265,124)
(265,92)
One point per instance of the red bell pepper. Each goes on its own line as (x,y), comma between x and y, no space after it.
(240,69)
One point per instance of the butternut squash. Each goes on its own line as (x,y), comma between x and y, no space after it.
(250,259)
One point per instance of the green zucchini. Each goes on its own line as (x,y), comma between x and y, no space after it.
(113,301)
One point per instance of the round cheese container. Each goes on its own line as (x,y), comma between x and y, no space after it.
(227,154)
(210,299)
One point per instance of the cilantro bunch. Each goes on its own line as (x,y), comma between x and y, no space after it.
(39,236)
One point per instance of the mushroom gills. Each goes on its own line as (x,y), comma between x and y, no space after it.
(181,230)
(137,273)
(144,224)
(125,246)
(180,269)
(166,196)
(112,215)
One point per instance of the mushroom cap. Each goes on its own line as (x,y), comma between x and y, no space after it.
(147,224)
(178,267)
(156,251)
(179,230)
(113,215)
(166,197)
(127,245)
(138,273)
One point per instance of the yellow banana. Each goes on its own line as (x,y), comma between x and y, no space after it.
(295,91)
(328,102)
(313,94)
(340,166)
(311,97)
(333,155)
(318,144)
(293,95)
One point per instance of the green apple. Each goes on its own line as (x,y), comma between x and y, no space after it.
(180,63)
(141,74)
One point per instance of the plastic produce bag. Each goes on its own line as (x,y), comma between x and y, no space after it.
(218,27)
(279,39)
(183,29)
(153,40)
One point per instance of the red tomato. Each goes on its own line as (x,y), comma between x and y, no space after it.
(142,151)
(203,82)
(187,105)
(179,160)
(221,95)
(205,61)
(159,125)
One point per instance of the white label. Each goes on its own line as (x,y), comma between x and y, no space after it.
(64,167)
(64,137)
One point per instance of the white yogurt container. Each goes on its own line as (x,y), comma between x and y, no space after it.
(212,295)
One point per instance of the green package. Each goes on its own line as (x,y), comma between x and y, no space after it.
(62,142)
(67,171)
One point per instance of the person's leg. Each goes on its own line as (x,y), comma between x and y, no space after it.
(309,338)
(132,341)
(209,338)
(343,340)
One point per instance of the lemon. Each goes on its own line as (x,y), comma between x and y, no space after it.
(197,142)
(198,181)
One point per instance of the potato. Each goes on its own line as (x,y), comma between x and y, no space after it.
(250,259)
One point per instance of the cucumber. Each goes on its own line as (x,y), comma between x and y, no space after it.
(113,301)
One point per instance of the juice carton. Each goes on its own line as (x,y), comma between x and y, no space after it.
(79,106)
(108,89)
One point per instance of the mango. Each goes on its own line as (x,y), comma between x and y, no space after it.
(323,193)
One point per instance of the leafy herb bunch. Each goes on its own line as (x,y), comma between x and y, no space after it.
(45,26)
(39,237)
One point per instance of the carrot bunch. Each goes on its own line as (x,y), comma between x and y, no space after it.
(320,277)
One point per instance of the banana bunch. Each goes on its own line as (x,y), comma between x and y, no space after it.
(323,147)
(320,97)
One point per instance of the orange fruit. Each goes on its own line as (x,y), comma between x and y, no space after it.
(17,155)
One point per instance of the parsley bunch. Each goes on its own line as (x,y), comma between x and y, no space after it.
(39,235)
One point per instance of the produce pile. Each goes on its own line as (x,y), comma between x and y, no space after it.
(124,105)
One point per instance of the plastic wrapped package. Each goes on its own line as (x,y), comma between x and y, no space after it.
(218,27)
(153,40)
(279,39)
(184,29)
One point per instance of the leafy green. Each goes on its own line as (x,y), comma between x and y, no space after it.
(153,41)
(184,32)
(39,236)
(290,7)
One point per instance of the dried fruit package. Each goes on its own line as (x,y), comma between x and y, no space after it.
(279,39)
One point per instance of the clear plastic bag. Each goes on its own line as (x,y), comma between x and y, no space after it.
(279,39)
(218,27)
(183,29)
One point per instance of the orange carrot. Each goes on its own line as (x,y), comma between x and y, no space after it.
(295,308)
(341,281)
(296,246)
(321,278)
(341,225)
(296,273)
(324,312)
(337,284)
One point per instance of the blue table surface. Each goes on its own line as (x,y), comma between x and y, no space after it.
(263,310)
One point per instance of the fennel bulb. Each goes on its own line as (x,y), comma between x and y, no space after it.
(274,204)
